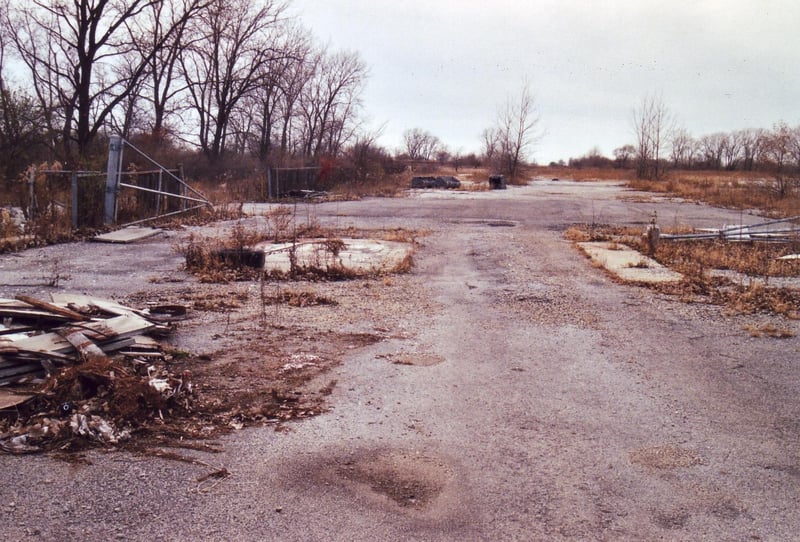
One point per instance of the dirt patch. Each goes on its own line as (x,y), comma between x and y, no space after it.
(668,456)
(672,519)
(274,377)
(241,367)
(408,480)
(296,299)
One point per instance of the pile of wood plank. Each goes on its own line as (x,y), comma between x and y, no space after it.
(37,336)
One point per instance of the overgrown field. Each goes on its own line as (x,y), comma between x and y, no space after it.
(734,190)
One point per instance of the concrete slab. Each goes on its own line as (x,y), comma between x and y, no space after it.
(360,256)
(130,234)
(628,264)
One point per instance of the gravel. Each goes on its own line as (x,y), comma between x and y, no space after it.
(549,401)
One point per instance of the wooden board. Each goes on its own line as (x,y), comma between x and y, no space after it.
(85,347)
(10,399)
(13,308)
(44,305)
(118,327)
(130,234)
(87,301)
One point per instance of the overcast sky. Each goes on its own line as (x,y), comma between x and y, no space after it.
(445,66)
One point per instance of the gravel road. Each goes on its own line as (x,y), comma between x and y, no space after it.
(518,394)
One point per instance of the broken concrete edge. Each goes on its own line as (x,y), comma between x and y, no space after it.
(626,264)
(129,234)
(340,257)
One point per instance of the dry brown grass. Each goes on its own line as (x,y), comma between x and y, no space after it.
(754,259)
(729,189)
(581,233)
(694,259)
(769,330)
(583,174)
(229,257)
(294,298)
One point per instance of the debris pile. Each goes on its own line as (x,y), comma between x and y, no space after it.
(79,369)
(435,182)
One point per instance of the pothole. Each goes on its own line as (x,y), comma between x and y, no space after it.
(409,480)
(673,519)
(413,358)
(491,223)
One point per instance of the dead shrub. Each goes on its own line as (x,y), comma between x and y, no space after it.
(754,259)
(729,189)
(757,298)
(215,260)
(403,266)
(769,330)
(297,299)
(695,258)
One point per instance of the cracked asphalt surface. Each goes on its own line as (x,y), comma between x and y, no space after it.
(534,399)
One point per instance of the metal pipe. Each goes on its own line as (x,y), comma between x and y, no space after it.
(181,181)
(164,215)
(143,189)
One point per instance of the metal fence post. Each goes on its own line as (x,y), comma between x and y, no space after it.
(160,188)
(31,193)
(112,179)
(182,187)
(74,189)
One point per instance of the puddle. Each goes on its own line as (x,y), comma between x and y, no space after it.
(491,223)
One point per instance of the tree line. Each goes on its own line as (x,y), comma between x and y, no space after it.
(662,144)
(507,143)
(229,77)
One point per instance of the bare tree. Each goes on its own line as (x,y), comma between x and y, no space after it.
(330,102)
(21,131)
(652,122)
(732,150)
(517,130)
(231,43)
(681,147)
(420,144)
(366,156)
(70,48)
(712,149)
(752,142)
(278,83)
(164,30)
(781,156)
(491,144)
(623,155)
(293,80)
